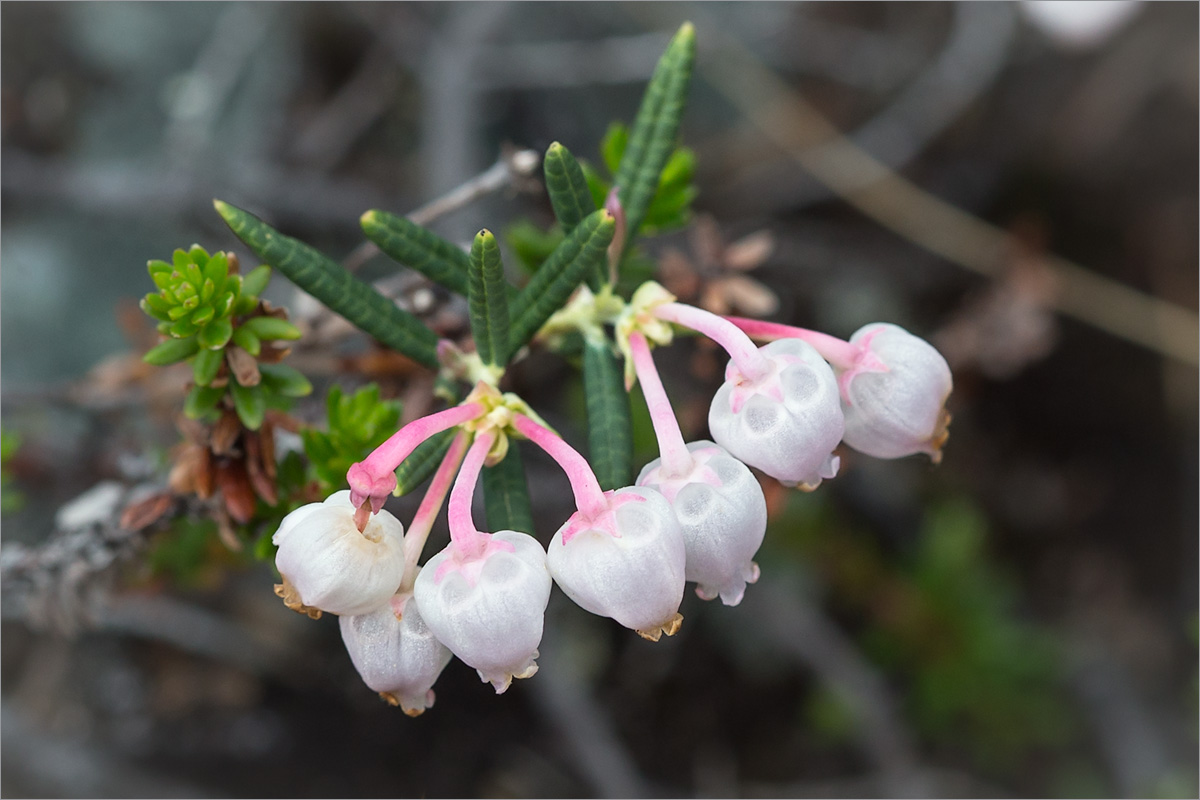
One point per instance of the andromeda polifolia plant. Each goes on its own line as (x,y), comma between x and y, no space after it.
(627,551)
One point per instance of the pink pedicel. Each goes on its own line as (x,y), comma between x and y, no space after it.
(741,349)
(469,548)
(374,478)
(893,385)
(431,504)
(484,596)
(589,498)
(849,359)
(717,502)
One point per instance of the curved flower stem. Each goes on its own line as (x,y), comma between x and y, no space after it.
(387,457)
(431,504)
(374,478)
(612,204)
(589,497)
(837,352)
(676,459)
(465,537)
(752,364)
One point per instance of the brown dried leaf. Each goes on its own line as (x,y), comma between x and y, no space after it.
(272,353)
(266,435)
(192,472)
(226,533)
(263,486)
(707,242)
(234,264)
(678,275)
(749,252)
(236,490)
(747,296)
(225,434)
(145,513)
(243,365)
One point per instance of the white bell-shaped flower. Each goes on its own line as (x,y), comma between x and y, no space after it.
(901,411)
(628,564)
(333,567)
(787,422)
(489,608)
(399,657)
(722,516)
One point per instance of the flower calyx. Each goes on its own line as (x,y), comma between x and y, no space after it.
(638,316)
(466,367)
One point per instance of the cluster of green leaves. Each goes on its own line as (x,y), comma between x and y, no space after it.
(204,307)
(503,317)
(355,425)
(10,498)
(197,299)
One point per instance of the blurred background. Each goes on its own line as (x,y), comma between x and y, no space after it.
(1015,182)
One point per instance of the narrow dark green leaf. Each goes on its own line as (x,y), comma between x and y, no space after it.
(417,247)
(553,284)
(206,365)
(506,494)
(655,129)
(567,187)
(330,283)
(610,436)
(421,462)
(487,302)
(612,146)
(171,350)
(250,404)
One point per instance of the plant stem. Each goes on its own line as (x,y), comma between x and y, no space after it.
(752,364)
(465,537)
(431,504)
(589,497)
(837,352)
(387,457)
(676,459)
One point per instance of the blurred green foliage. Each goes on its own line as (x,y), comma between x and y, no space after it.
(10,498)
(943,621)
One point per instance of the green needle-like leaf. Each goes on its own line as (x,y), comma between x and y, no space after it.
(417,247)
(506,494)
(610,434)
(330,283)
(487,302)
(552,285)
(202,399)
(655,129)
(421,462)
(171,350)
(567,187)
(247,340)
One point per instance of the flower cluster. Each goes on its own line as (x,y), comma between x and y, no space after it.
(696,514)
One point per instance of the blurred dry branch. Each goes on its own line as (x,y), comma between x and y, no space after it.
(868,184)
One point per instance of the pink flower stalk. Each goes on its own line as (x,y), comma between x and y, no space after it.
(612,204)
(621,555)
(849,359)
(484,596)
(431,504)
(374,478)
(893,386)
(778,409)
(718,503)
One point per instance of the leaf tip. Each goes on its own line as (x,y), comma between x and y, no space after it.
(686,30)
(369,218)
